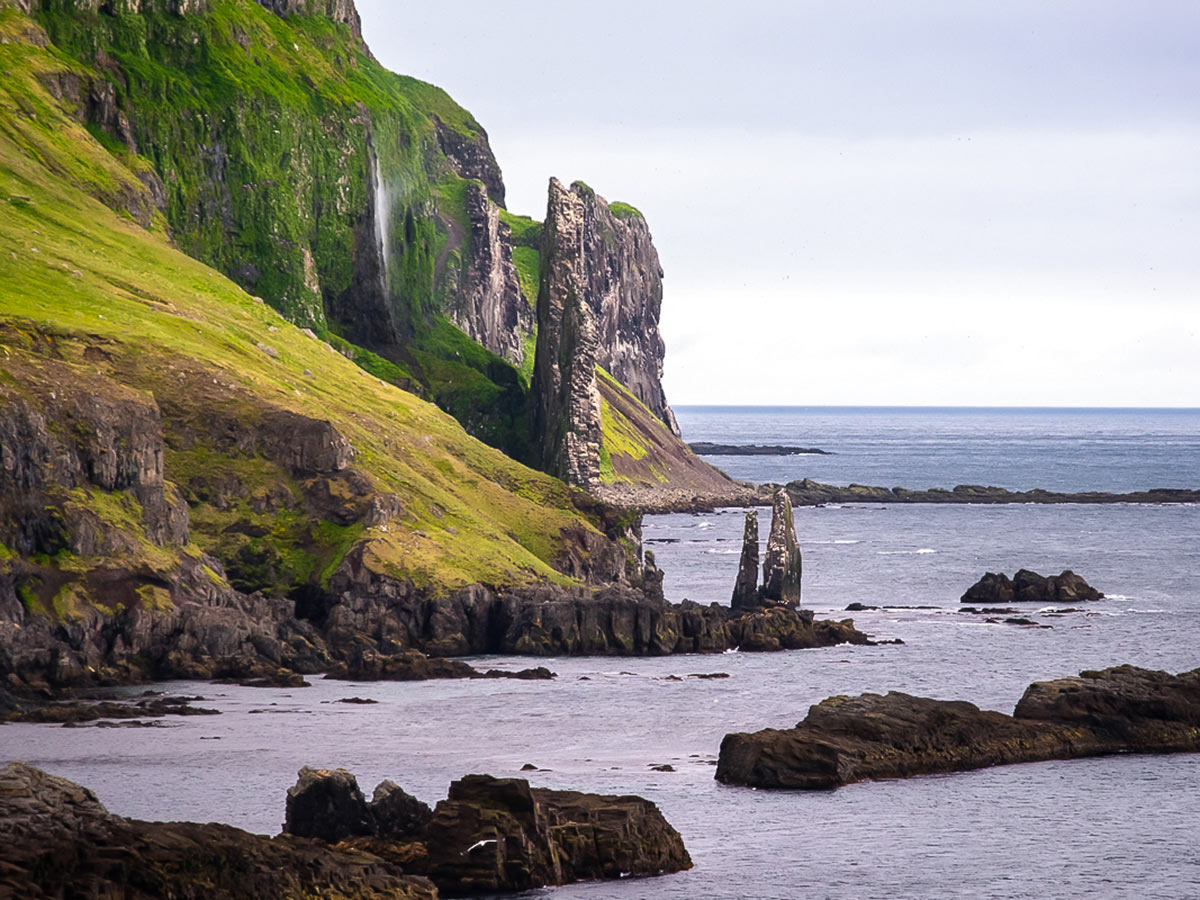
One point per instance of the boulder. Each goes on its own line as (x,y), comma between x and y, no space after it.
(1029,587)
(499,834)
(328,805)
(782,563)
(745,589)
(398,813)
(847,739)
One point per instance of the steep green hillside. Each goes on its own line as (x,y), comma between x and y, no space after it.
(282,154)
(90,300)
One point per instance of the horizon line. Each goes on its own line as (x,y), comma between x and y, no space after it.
(1050,408)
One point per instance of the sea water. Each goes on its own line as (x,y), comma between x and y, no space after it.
(1122,826)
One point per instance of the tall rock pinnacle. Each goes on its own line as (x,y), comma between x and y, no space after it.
(782,565)
(745,589)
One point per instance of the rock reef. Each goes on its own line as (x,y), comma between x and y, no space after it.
(1030,587)
(807,492)
(846,739)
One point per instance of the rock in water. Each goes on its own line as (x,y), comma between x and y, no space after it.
(328,805)
(848,739)
(57,840)
(398,813)
(782,565)
(499,834)
(1029,587)
(745,589)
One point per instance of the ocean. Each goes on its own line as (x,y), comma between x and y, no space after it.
(1122,826)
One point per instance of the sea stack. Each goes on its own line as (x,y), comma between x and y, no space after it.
(782,565)
(745,589)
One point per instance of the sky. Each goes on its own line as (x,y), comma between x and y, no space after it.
(929,202)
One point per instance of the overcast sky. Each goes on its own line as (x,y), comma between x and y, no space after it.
(913,203)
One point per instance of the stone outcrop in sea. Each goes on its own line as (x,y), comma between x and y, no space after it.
(782,565)
(846,739)
(1029,587)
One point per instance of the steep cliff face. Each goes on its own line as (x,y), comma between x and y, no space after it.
(601,417)
(347,197)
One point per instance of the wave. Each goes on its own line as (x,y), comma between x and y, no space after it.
(923,551)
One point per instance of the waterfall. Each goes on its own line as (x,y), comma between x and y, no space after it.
(383,223)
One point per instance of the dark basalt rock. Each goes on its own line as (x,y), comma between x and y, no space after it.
(782,563)
(366,664)
(1030,587)
(499,834)
(745,589)
(706,448)
(848,739)
(328,805)
(807,492)
(75,712)
(398,813)
(57,840)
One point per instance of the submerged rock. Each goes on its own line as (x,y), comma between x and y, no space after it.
(782,563)
(1030,587)
(848,739)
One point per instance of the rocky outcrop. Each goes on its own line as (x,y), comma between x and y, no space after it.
(57,840)
(1029,587)
(599,303)
(708,448)
(490,834)
(499,834)
(745,589)
(781,566)
(847,739)
(472,158)
(489,306)
(341,12)
(364,663)
(782,562)
(807,492)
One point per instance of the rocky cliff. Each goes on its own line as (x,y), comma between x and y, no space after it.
(601,416)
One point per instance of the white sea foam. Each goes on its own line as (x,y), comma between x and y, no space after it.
(923,551)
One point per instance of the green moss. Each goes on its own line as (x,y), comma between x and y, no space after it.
(155,597)
(525,232)
(625,211)
(27,591)
(528,263)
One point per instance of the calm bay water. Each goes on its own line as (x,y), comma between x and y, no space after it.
(1117,827)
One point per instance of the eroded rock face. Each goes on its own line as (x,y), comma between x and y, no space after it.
(848,739)
(342,12)
(472,158)
(745,589)
(499,834)
(1029,587)
(599,304)
(782,563)
(328,805)
(58,840)
(490,307)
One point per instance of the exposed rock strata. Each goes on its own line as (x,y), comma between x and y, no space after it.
(848,739)
(489,306)
(57,840)
(1030,587)
(812,493)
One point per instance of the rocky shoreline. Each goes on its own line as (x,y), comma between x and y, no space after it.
(847,739)
(490,835)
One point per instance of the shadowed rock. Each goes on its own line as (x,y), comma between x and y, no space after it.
(397,812)
(745,589)
(58,840)
(1030,587)
(848,739)
(328,805)
(782,563)
(499,834)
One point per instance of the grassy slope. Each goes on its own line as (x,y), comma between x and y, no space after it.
(72,265)
(282,101)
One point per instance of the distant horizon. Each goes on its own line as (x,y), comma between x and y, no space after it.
(931,407)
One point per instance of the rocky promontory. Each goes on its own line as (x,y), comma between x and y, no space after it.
(490,835)
(846,739)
